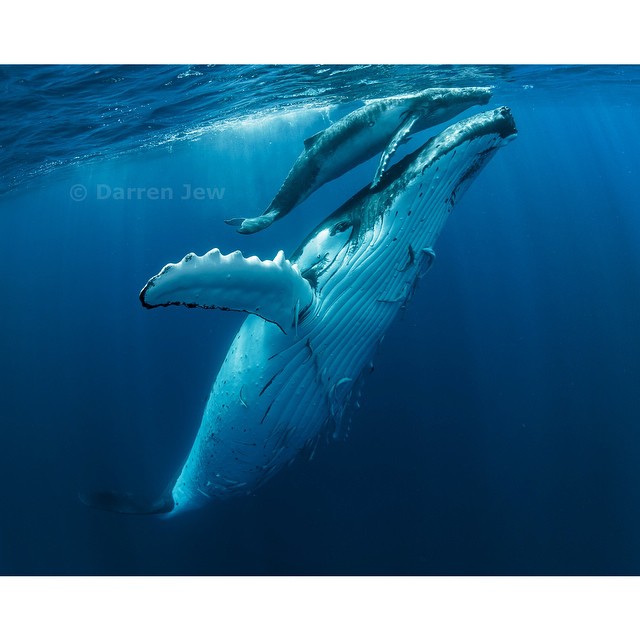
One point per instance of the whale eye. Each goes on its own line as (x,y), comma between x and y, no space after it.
(340,227)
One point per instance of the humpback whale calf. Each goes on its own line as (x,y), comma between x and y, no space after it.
(378,127)
(315,321)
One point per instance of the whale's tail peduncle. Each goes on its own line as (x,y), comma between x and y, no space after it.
(126,502)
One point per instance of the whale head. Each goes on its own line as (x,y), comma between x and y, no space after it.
(434,106)
(408,207)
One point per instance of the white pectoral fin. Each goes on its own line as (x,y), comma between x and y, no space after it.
(398,138)
(271,289)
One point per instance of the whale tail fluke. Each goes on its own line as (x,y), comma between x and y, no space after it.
(235,222)
(253,225)
(126,503)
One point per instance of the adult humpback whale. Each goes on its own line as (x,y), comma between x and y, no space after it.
(379,126)
(314,322)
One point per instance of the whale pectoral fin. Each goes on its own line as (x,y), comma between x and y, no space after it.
(271,289)
(398,138)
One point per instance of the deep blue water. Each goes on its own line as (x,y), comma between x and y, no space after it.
(500,430)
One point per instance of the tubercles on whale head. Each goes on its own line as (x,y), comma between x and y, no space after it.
(498,123)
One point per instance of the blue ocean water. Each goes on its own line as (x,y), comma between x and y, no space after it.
(500,431)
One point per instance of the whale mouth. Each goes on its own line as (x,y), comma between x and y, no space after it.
(475,138)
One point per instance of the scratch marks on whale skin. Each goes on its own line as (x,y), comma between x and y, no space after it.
(410,261)
(266,386)
(242,401)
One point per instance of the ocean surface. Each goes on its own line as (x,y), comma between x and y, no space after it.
(499,433)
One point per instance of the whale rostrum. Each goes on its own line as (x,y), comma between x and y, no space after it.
(315,321)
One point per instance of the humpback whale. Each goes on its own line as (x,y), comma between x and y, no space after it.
(314,321)
(380,126)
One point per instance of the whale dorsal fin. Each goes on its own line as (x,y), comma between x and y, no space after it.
(398,138)
(309,142)
(271,289)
